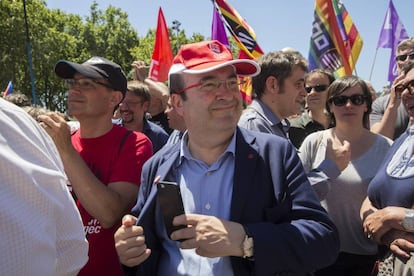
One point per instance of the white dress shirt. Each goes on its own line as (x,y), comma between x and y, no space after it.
(40,227)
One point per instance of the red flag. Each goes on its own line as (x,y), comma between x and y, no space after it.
(162,55)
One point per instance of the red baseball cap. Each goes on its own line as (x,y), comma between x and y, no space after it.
(206,56)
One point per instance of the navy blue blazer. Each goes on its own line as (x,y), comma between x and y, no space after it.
(292,233)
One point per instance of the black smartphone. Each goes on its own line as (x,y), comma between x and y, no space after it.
(171,204)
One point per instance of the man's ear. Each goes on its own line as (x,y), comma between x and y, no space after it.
(272,84)
(116,98)
(177,103)
(145,106)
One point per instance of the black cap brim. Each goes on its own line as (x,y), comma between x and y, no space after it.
(66,70)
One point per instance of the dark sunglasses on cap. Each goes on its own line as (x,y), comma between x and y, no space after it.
(410,86)
(318,88)
(356,99)
(404,57)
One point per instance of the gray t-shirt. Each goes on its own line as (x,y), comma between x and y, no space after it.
(345,193)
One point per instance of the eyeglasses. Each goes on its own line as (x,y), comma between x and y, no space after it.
(213,84)
(404,57)
(84,84)
(410,86)
(317,88)
(356,99)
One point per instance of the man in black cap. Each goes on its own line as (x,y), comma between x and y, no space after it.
(102,161)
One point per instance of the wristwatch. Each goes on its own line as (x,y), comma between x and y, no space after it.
(247,244)
(408,221)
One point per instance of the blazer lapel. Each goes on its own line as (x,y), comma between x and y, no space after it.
(245,165)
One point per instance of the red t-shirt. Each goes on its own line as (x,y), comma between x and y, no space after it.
(110,162)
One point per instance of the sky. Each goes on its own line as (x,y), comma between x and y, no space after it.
(277,23)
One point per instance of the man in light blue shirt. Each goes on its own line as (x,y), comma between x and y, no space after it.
(249,208)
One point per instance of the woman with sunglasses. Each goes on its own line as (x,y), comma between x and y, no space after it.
(387,213)
(349,104)
(315,116)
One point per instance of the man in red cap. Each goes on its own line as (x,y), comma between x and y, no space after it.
(102,161)
(249,208)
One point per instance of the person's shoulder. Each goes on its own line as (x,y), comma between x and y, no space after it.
(125,134)
(383,139)
(13,110)
(15,117)
(315,137)
(156,128)
(262,137)
(381,102)
(167,152)
(248,114)
(252,119)
(300,121)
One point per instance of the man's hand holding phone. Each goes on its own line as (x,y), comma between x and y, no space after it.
(130,242)
(210,236)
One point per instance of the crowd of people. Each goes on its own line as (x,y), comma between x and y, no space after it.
(312,178)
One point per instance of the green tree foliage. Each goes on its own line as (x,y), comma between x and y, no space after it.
(56,35)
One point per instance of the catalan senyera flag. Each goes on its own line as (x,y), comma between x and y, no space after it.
(162,56)
(245,38)
(335,43)
(242,33)
(392,33)
(9,89)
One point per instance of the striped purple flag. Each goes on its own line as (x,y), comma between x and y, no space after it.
(218,32)
(392,33)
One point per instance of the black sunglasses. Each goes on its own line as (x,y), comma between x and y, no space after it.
(404,57)
(356,99)
(318,88)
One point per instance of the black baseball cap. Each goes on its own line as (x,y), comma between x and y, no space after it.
(95,68)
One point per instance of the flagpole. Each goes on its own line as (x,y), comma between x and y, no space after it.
(373,62)
(176,27)
(29,54)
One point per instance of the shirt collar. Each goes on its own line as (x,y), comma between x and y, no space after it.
(185,152)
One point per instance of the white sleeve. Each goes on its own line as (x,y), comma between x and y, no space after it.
(41,227)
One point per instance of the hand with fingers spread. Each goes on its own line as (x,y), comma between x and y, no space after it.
(130,242)
(340,154)
(210,236)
